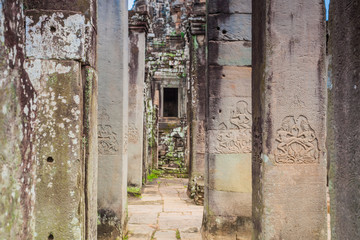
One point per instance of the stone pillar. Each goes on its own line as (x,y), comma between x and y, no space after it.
(197,102)
(289,117)
(113,117)
(151,124)
(343,125)
(17,167)
(138,27)
(228,175)
(58,104)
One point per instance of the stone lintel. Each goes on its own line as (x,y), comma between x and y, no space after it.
(197,25)
(139,21)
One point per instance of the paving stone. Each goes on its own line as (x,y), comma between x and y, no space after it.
(190,236)
(165,235)
(142,232)
(174,221)
(150,197)
(141,218)
(144,208)
(164,209)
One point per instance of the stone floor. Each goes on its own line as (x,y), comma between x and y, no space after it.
(164,212)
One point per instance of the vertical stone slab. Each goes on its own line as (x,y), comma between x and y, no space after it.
(197,102)
(90,144)
(151,127)
(113,117)
(60,40)
(58,149)
(289,117)
(17,115)
(343,110)
(138,27)
(228,172)
(42,157)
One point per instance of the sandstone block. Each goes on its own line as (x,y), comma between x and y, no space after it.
(230,172)
(58,144)
(229,6)
(230,53)
(229,81)
(227,203)
(230,113)
(229,27)
(57,35)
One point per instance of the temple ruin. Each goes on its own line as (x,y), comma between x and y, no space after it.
(179,119)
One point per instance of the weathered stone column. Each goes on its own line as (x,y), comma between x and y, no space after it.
(113,117)
(289,117)
(65,125)
(17,161)
(343,125)
(57,121)
(197,102)
(228,175)
(138,27)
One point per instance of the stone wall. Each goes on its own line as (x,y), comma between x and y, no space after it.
(167,59)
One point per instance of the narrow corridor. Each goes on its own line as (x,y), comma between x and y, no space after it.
(164,212)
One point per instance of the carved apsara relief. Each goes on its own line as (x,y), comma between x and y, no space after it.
(200,134)
(241,116)
(133,134)
(232,142)
(235,136)
(297,142)
(108,143)
(108,139)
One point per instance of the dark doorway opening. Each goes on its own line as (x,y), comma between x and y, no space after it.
(171,100)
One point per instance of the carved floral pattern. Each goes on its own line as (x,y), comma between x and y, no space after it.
(297,142)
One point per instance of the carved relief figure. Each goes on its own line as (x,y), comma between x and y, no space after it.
(233,142)
(108,143)
(133,134)
(108,139)
(200,135)
(297,142)
(238,138)
(241,117)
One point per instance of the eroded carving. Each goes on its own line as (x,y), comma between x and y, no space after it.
(233,142)
(200,135)
(126,138)
(133,134)
(241,116)
(235,137)
(107,138)
(297,142)
(108,143)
